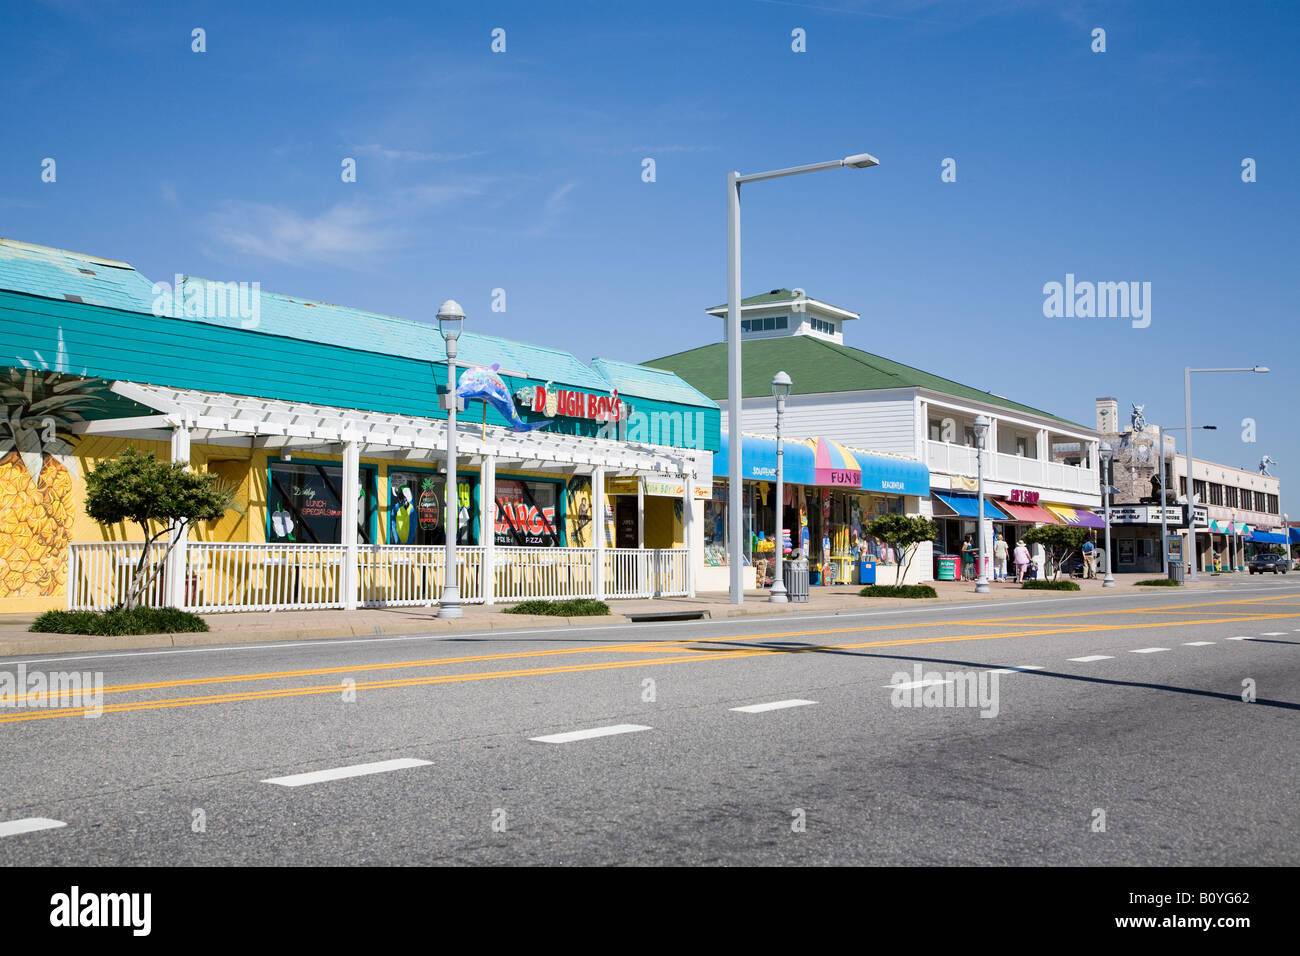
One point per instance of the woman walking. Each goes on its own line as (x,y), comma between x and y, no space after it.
(1022,560)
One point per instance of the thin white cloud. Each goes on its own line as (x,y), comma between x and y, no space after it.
(411,155)
(347,234)
(168,192)
(555,202)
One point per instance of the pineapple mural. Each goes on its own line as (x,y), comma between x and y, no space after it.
(36,471)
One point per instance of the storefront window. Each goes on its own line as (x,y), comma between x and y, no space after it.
(527,513)
(417,513)
(304,503)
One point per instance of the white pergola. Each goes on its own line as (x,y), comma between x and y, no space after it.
(185,416)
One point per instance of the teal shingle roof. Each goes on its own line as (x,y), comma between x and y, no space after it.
(58,274)
(641,381)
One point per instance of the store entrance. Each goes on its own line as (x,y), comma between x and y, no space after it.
(625,522)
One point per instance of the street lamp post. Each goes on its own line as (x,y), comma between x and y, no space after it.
(981,429)
(1164,490)
(1191,481)
(451,318)
(735,497)
(1109,580)
(780,389)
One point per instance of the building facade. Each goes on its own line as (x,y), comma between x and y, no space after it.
(1038,468)
(326,425)
(1235,509)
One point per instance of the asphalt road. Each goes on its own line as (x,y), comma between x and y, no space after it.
(1144,752)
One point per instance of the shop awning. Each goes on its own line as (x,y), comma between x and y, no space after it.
(1229,527)
(1034,513)
(864,471)
(967,506)
(1266,537)
(1295,535)
(1079,517)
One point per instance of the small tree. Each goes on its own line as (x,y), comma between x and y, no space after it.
(161,498)
(905,533)
(1060,541)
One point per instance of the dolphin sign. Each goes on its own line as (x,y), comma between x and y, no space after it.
(486,386)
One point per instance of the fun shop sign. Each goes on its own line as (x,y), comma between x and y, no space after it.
(570,403)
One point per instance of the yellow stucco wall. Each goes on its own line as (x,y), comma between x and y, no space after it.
(33,577)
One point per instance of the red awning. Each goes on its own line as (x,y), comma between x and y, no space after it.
(1032,513)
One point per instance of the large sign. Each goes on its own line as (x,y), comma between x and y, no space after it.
(1150,514)
(570,403)
(526,513)
(1023,497)
(657,488)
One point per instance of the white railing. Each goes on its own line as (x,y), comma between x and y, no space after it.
(949,459)
(409,575)
(646,572)
(263,577)
(100,574)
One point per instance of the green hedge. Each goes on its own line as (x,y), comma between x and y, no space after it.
(1050,586)
(577,607)
(1159,583)
(119,622)
(899,591)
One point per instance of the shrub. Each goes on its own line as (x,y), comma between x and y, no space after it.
(118,622)
(1159,583)
(575,607)
(1050,586)
(899,591)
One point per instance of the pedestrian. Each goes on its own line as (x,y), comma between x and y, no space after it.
(1089,559)
(1021,556)
(968,559)
(1000,558)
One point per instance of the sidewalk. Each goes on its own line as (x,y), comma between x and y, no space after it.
(265,626)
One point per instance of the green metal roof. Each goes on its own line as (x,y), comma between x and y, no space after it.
(641,381)
(818,366)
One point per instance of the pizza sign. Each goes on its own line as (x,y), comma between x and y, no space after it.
(573,404)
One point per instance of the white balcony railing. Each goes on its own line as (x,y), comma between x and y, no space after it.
(949,459)
(263,577)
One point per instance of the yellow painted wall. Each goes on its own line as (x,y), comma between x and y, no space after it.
(33,564)
(663,528)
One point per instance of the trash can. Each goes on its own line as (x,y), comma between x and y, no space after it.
(1177,571)
(795,574)
(867,570)
(949,567)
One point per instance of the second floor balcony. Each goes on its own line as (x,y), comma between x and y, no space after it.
(950,459)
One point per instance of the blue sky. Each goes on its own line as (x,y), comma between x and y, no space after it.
(522,170)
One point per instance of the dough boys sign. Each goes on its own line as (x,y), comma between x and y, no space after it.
(573,404)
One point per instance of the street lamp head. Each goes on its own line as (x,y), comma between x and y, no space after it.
(781,385)
(1260,368)
(981,424)
(1106,449)
(860,161)
(451,318)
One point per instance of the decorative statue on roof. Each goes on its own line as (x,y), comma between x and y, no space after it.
(1264,463)
(1139,421)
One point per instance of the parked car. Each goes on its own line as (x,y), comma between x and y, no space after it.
(1263,563)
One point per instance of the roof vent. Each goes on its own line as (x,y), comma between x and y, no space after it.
(86,272)
(774,292)
(73,298)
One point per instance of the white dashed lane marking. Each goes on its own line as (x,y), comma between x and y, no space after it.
(1241,638)
(774,705)
(29,825)
(1014,670)
(573,735)
(913,684)
(1149,650)
(1197,643)
(1274,634)
(1093,657)
(342,773)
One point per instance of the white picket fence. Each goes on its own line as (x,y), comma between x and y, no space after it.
(264,577)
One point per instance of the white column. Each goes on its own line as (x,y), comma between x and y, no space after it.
(688,531)
(598,528)
(640,512)
(348,576)
(176,570)
(1044,449)
(1092,457)
(487,500)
